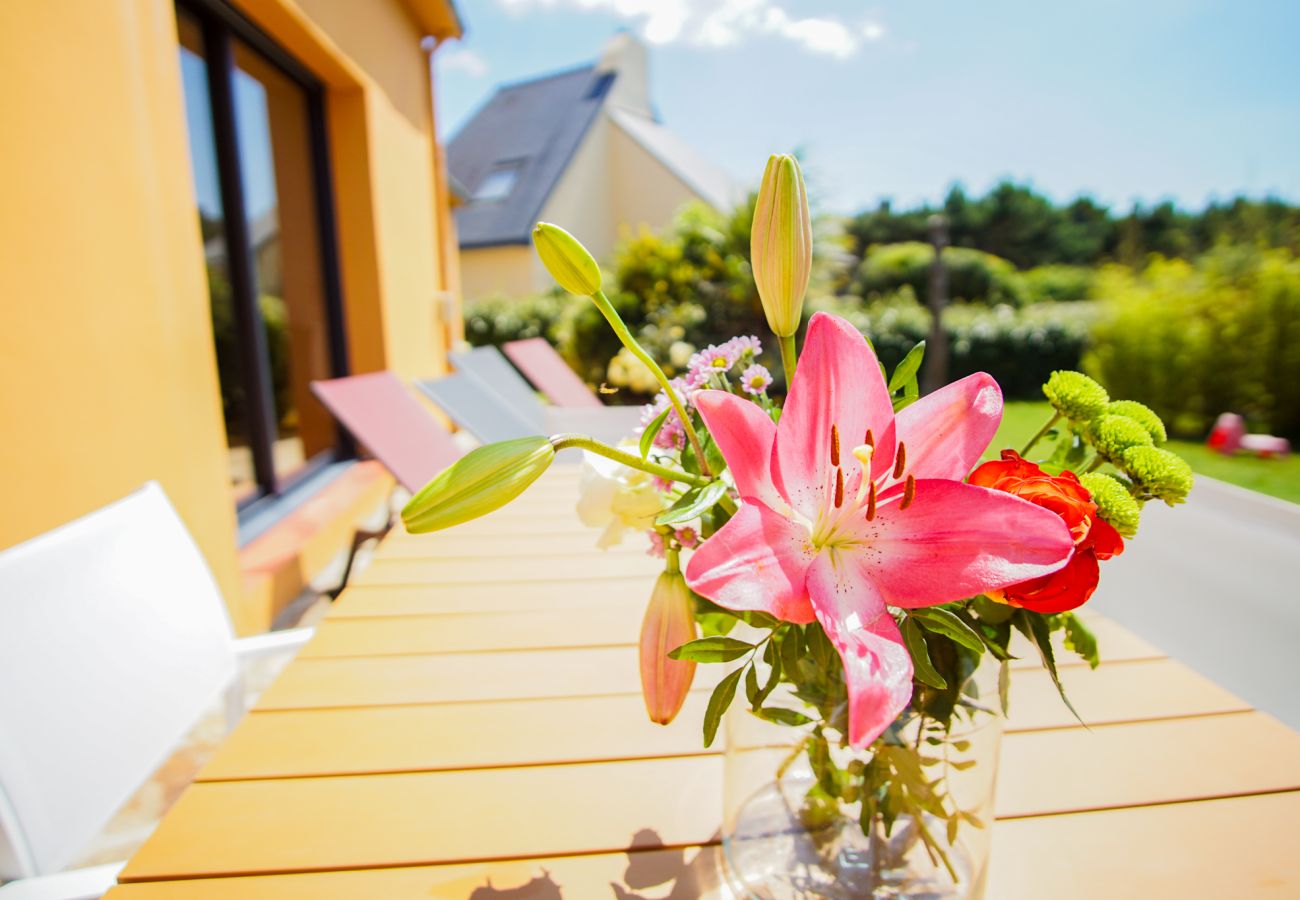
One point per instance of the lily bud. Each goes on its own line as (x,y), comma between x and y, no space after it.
(780,244)
(483,480)
(669,622)
(569,263)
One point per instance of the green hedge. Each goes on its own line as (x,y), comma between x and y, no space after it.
(1018,347)
(1194,341)
(972,274)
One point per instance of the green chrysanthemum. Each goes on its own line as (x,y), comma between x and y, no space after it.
(1159,473)
(1114,503)
(1075,395)
(1114,435)
(1141,414)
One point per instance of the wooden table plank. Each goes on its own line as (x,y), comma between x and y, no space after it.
(690,872)
(1144,763)
(241,826)
(1138,690)
(454,544)
(304,824)
(613,625)
(460,678)
(583,565)
(492,596)
(1241,847)
(466,735)
(452,736)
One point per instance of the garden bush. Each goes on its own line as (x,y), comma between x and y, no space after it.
(1059,283)
(972,274)
(1194,341)
(1018,347)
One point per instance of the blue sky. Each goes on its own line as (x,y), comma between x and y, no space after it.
(1137,100)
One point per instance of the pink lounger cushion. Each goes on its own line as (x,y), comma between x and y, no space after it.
(385,417)
(548,371)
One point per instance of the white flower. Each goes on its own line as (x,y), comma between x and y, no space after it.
(617,498)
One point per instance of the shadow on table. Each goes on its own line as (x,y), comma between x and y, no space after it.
(663,873)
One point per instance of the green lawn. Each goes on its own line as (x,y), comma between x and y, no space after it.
(1277,477)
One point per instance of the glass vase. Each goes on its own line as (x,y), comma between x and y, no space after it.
(793,801)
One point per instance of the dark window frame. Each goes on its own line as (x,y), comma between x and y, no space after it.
(221,25)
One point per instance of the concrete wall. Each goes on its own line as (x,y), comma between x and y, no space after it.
(490,271)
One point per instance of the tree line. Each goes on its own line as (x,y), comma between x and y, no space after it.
(1017,223)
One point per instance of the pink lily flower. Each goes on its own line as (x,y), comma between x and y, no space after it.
(848,509)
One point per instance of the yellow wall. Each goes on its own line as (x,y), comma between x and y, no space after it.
(642,190)
(107,367)
(498,270)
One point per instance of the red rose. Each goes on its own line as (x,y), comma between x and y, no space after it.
(1094,538)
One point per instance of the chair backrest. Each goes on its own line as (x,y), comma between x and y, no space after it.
(114,641)
(489,366)
(477,408)
(547,369)
(379,411)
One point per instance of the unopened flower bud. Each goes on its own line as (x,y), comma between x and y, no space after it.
(780,244)
(669,622)
(1075,395)
(1159,473)
(569,263)
(1113,435)
(1114,503)
(1143,415)
(483,480)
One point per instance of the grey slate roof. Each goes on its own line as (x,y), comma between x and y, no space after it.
(534,126)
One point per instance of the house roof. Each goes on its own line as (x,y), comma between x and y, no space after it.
(530,129)
(699,174)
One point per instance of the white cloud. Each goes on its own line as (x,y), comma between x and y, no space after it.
(722,23)
(462,59)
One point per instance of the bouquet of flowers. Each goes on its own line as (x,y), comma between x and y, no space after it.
(848,555)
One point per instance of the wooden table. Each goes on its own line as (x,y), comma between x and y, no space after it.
(467,724)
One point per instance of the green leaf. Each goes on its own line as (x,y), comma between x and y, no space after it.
(713,454)
(1080,639)
(915,641)
(751,686)
(758,619)
(906,370)
(1034,626)
(1004,686)
(782,716)
(711,650)
(685,510)
(773,679)
(944,622)
(652,431)
(722,696)
(791,649)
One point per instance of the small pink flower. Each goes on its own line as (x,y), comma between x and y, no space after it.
(662,485)
(745,344)
(688,537)
(656,547)
(714,358)
(755,380)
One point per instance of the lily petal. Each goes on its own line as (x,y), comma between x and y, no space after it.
(947,431)
(956,540)
(759,560)
(744,434)
(837,382)
(877,667)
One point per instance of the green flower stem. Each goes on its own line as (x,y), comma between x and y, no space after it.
(727,504)
(671,565)
(1094,464)
(584,442)
(1042,432)
(616,322)
(787,358)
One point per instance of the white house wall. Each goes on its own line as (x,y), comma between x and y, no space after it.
(580,202)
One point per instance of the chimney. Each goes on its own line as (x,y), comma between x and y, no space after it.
(625,55)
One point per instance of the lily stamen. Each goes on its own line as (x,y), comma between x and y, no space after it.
(871,502)
(835,447)
(900,461)
(839,488)
(909,492)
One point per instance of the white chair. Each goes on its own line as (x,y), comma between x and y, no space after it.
(114,642)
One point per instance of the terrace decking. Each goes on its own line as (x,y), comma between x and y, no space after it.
(467,724)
